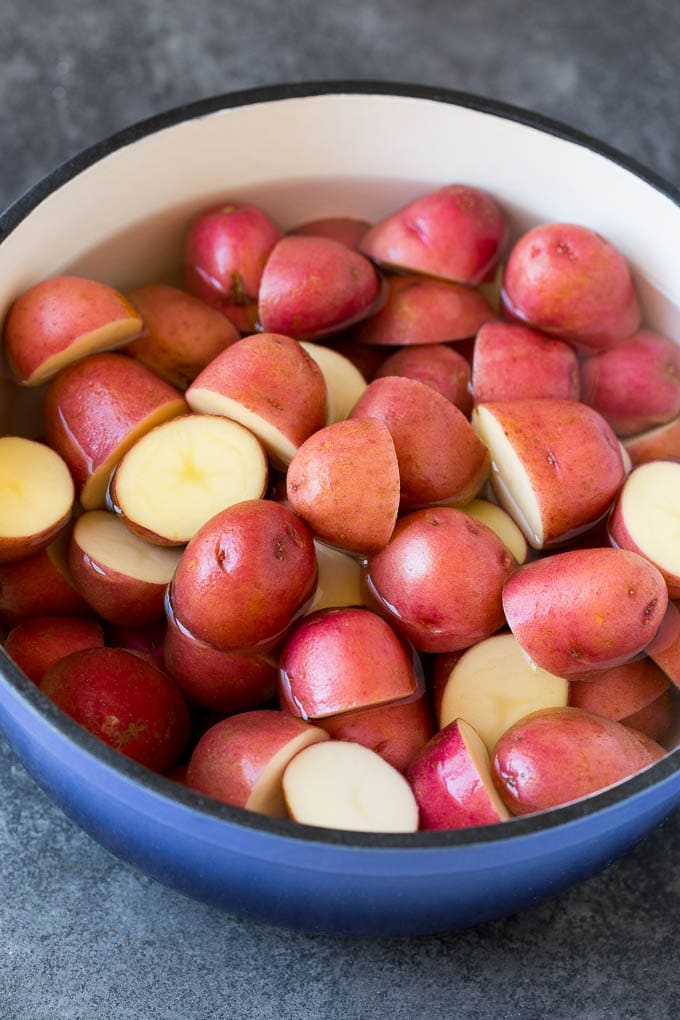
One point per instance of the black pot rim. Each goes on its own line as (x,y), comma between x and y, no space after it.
(443,840)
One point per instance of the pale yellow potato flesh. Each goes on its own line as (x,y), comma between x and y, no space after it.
(340,579)
(36,488)
(342,785)
(106,540)
(279,447)
(479,755)
(267,795)
(344,381)
(650,503)
(494,684)
(106,338)
(181,474)
(501,523)
(509,477)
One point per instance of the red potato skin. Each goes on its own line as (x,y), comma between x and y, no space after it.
(225,252)
(440,578)
(662,443)
(343,229)
(439,455)
(396,732)
(19,548)
(244,576)
(437,366)
(513,362)
(181,334)
(664,650)
(654,749)
(572,458)
(125,701)
(570,282)
(447,786)
(49,317)
(92,407)
(115,596)
(418,310)
(441,671)
(39,585)
(273,376)
(312,286)
(455,233)
(337,660)
(585,610)
(230,757)
(559,755)
(36,644)
(148,640)
(621,691)
(655,719)
(635,386)
(224,682)
(344,482)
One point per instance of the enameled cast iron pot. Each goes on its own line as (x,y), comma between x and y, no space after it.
(117,213)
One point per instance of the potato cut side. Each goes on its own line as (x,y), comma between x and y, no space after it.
(342,785)
(105,338)
(509,477)
(36,489)
(340,580)
(267,795)
(93,493)
(178,476)
(501,523)
(104,538)
(650,505)
(344,381)
(280,448)
(479,756)
(494,684)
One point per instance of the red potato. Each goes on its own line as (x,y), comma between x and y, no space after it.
(501,523)
(395,731)
(344,229)
(183,472)
(646,518)
(494,684)
(585,610)
(344,482)
(122,577)
(655,719)
(439,456)
(436,365)
(512,362)
(241,760)
(570,282)
(654,749)
(342,785)
(455,233)
(269,384)
(440,578)
(146,640)
(61,320)
(418,310)
(36,644)
(125,701)
(635,386)
(244,576)
(40,585)
(36,497)
(224,682)
(312,286)
(225,251)
(557,465)
(664,650)
(340,579)
(344,382)
(562,754)
(337,660)
(96,410)
(662,443)
(452,782)
(181,334)
(621,691)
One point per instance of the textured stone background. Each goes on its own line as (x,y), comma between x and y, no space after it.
(85,937)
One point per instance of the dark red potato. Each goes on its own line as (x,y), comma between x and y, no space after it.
(436,365)
(36,644)
(512,362)
(344,229)
(40,585)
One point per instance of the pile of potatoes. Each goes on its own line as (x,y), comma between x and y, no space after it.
(372,526)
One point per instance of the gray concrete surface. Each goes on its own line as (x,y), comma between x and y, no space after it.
(84,937)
